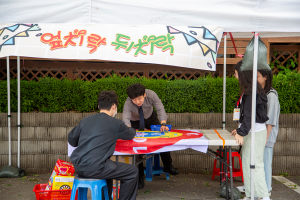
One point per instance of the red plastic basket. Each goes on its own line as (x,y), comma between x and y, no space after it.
(42,194)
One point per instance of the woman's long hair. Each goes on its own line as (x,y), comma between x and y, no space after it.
(269,75)
(245,80)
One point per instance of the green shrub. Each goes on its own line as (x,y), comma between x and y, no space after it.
(178,96)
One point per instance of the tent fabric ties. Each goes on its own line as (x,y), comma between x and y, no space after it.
(241,56)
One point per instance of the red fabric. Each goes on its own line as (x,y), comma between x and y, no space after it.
(241,56)
(153,144)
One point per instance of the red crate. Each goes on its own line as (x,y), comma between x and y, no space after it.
(42,194)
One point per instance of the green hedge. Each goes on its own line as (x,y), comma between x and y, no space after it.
(178,96)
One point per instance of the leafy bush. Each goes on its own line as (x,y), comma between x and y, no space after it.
(178,96)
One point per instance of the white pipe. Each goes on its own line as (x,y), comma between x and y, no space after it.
(8,110)
(253,115)
(19,108)
(224,82)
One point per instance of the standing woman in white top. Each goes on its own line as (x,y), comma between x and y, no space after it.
(265,78)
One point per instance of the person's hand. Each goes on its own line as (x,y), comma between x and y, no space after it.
(233,133)
(239,139)
(164,128)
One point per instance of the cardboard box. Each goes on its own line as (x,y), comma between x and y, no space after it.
(62,168)
(114,192)
(123,159)
(62,182)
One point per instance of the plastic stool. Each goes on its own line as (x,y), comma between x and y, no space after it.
(235,172)
(155,170)
(95,185)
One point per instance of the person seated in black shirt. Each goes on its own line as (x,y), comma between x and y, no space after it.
(95,138)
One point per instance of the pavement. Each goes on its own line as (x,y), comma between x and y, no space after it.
(183,186)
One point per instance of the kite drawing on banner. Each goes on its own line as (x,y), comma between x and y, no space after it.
(183,46)
(8,34)
(204,38)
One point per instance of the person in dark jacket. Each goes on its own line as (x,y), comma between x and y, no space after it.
(95,138)
(243,134)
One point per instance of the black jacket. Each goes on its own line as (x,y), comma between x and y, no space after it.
(245,116)
(95,138)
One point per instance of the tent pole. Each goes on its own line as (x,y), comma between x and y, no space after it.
(253,115)
(224,82)
(19,108)
(8,110)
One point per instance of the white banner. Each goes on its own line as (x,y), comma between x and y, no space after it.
(193,47)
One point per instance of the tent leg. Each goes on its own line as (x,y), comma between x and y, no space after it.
(117,184)
(8,110)
(231,173)
(19,109)
(226,173)
(253,115)
(224,83)
(221,165)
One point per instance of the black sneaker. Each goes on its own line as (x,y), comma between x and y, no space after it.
(141,183)
(171,170)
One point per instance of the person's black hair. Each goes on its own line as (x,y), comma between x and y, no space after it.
(106,99)
(269,75)
(245,80)
(136,90)
(238,65)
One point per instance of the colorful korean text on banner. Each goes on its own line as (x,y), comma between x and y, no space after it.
(185,46)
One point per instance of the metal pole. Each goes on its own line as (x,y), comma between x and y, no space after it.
(133,159)
(221,165)
(8,110)
(231,175)
(226,173)
(224,82)
(19,109)
(117,184)
(253,115)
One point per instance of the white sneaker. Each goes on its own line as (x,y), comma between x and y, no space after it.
(241,189)
(246,198)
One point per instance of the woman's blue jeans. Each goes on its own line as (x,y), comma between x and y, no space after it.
(268,157)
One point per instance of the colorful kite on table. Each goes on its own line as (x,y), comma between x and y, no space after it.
(148,142)
(201,36)
(8,34)
(151,141)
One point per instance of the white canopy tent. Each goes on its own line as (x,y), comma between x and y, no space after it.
(234,16)
(269,18)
